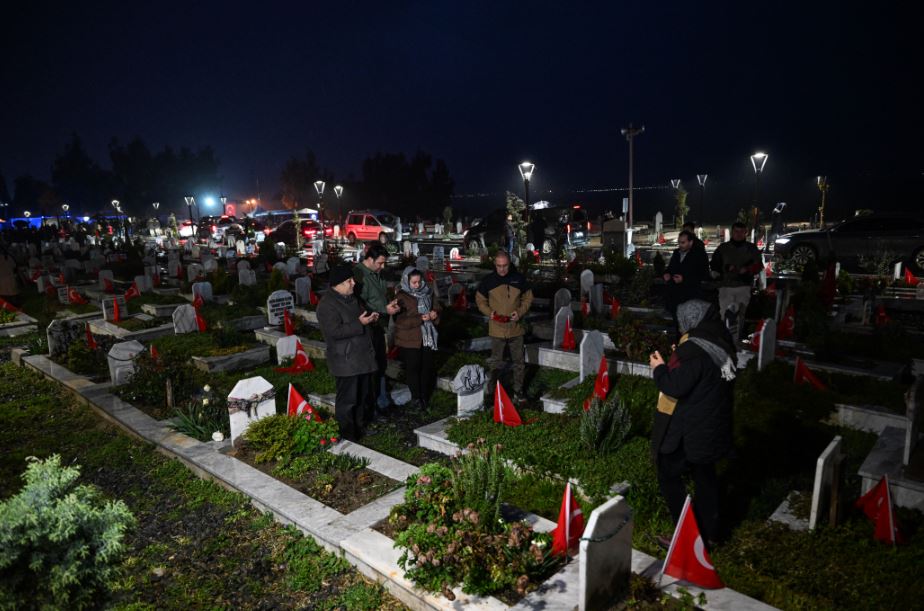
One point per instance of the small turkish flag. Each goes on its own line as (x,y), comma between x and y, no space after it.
(287,323)
(179,270)
(585,309)
(804,374)
(755,338)
(91,341)
(877,505)
(771,289)
(787,324)
(132,292)
(602,383)
(638,259)
(301,363)
(198,301)
(297,404)
(36,275)
(107,286)
(312,298)
(154,354)
(881,317)
(116,315)
(768,269)
(6,305)
(567,342)
(156,280)
(910,278)
(687,557)
(62,281)
(74,296)
(504,411)
(570,524)
(615,305)
(461,302)
(661,239)
(430,277)
(200,321)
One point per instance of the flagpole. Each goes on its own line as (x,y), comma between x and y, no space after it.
(889,509)
(670,550)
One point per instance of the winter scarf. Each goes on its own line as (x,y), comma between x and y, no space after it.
(424,297)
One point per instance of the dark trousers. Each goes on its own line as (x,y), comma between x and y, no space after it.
(496,361)
(355,404)
(671,469)
(420,372)
(381,361)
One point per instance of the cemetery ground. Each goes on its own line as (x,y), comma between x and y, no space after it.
(195,544)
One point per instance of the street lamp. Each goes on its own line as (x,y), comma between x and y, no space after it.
(319,187)
(701,179)
(156,205)
(190,202)
(338,191)
(675,182)
(630,133)
(66,207)
(26,213)
(823,187)
(758,161)
(224,204)
(526,171)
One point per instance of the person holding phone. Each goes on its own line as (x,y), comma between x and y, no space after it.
(347,330)
(416,334)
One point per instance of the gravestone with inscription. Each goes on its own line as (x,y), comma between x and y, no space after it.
(62,333)
(106,303)
(121,360)
(277,303)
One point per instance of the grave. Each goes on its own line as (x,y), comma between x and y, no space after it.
(826,489)
(406,248)
(423,264)
(243,264)
(277,303)
(246,277)
(292,266)
(415,249)
(241,248)
(285,348)
(194,272)
(302,290)
(591,353)
(282,268)
(766,351)
(562,299)
(62,333)
(454,254)
(469,388)
(439,254)
(558,333)
(184,320)
(209,264)
(587,282)
(121,360)
(605,555)
(109,309)
(203,290)
(250,400)
(658,224)
(320,263)
(104,274)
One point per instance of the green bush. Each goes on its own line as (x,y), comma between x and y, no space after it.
(605,424)
(60,543)
(478,480)
(283,438)
(84,361)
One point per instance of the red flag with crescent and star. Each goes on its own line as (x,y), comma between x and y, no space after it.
(91,341)
(132,291)
(687,558)
(74,296)
(570,524)
(504,411)
(298,405)
(287,323)
(877,505)
(804,374)
(301,363)
(567,342)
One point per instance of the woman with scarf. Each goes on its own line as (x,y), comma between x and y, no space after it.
(416,334)
(693,423)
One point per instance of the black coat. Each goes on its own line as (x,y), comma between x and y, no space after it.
(702,419)
(695,270)
(349,342)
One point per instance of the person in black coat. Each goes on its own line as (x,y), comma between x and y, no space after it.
(686,271)
(693,424)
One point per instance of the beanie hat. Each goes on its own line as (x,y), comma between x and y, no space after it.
(340,274)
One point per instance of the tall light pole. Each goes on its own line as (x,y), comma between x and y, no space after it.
(630,133)
(319,187)
(526,171)
(701,179)
(823,187)
(338,191)
(224,204)
(190,202)
(758,161)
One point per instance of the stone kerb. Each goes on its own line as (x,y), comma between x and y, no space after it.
(246,359)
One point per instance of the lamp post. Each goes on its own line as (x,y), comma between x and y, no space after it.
(526,171)
(758,161)
(630,133)
(701,179)
(823,187)
(190,202)
(338,191)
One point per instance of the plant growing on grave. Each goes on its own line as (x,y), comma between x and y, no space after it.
(277,281)
(478,480)
(222,282)
(282,438)
(202,415)
(605,424)
(6,317)
(636,340)
(84,361)
(639,290)
(60,542)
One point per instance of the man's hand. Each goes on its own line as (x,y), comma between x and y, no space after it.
(678,278)
(655,359)
(515,316)
(393,308)
(366,319)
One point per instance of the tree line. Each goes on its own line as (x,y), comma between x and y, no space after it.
(138,176)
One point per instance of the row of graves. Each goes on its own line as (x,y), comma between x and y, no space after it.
(226,370)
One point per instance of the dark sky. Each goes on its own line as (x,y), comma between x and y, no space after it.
(823,88)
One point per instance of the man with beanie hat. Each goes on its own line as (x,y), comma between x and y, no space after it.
(346,327)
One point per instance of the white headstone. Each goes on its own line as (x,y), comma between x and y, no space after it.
(591,353)
(104,274)
(63,295)
(727,236)
(277,303)
(209,264)
(766,351)
(406,248)
(605,556)
(280,249)
(204,290)
(246,277)
(423,264)
(897,271)
(250,400)
(302,289)
(292,265)
(587,281)
(320,263)
(458,226)
(454,254)
(827,471)
(562,299)
(173,268)
(558,333)
(439,254)
(243,264)
(415,249)
(144,284)
(184,320)
(106,303)
(194,272)
(658,223)
(241,248)
(282,267)
(121,360)
(285,348)
(62,333)
(913,414)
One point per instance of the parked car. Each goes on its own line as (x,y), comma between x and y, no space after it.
(864,236)
(565,226)
(486,231)
(285,232)
(367,225)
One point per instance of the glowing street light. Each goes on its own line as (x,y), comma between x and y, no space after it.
(26,213)
(338,191)
(526,171)
(190,202)
(701,179)
(156,205)
(319,187)
(758,161)
(675,182)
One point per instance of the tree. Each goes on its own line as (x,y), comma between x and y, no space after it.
(682,209)
(77,179)
(29,193)
(447,217)
(4,192)
(297,181)
(515,209)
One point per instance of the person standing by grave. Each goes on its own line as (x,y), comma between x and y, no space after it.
(734,264)
(416,334)
(687,270)
(692,429)
(504,297)
(697,243)
(370,289)
(351,359)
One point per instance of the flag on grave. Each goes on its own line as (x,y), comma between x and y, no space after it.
(570,524)
(200,321)
(787,324)
(116,315)
(301,363)
(804,374)
(567,342)
(287,323)
(910,278)
(91,341)
(297,404)
(107,286)
(74,296)
(877,505)
(687,557)
(132,291)
(504,411)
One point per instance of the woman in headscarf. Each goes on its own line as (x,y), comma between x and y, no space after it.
(416,334)
(693,424)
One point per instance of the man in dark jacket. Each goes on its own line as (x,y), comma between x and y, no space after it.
(693,424)
(504,297)
(350,354)
(686,272)
(735,264)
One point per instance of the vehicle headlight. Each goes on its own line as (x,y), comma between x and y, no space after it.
(781,241)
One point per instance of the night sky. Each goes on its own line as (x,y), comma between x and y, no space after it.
(824,89)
